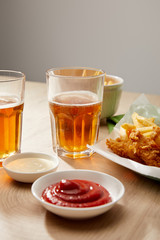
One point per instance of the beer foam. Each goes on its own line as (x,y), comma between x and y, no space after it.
(9,101)
(76,98)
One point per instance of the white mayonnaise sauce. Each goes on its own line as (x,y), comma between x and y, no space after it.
(31,165)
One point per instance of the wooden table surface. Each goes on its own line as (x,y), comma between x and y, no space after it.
(135,216)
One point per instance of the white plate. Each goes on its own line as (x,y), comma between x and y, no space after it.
(113,185)
(148,171)
(30,177)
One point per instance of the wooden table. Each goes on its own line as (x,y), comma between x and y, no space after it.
(136,216)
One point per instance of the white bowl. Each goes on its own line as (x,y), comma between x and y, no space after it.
(113,185)
(30,177)
(111,96)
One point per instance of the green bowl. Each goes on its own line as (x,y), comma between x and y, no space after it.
(111,96)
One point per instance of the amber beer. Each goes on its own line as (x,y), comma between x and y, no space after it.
(76,117)
(10,125)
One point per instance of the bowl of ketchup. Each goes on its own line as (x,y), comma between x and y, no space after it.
(77,194)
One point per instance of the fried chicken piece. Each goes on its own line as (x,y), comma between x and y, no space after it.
(136,146)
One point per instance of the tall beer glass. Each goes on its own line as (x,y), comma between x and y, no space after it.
(75,98)
(11,109)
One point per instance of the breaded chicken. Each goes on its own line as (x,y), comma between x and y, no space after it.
(136,146)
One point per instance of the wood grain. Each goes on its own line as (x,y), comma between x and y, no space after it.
(136,216)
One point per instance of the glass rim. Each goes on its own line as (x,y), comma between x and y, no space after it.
(48,72)
(12,78)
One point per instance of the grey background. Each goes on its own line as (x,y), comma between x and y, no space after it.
(120,36)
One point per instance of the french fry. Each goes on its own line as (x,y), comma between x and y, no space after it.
(125,129)
(147,134)
(145,126)
(140,121)
(135,120)
(145,129)
(147,122)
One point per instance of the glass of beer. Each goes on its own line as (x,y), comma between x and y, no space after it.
(75,100)
(11,109)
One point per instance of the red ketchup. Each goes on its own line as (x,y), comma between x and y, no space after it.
(76,193)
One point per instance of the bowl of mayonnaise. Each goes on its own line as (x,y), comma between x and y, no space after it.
(29,166)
